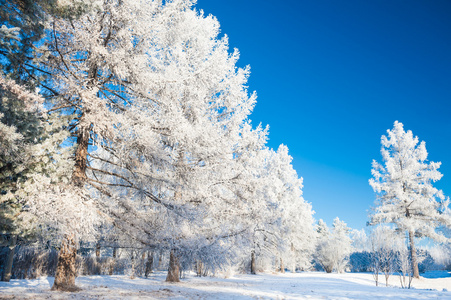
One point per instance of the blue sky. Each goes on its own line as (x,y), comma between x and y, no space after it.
(333,76)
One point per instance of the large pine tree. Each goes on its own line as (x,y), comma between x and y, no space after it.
(151,86)
(157,113)
(406,196)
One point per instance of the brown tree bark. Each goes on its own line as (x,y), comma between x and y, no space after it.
(253,264)
(9,259)
(65,269)
(81,158)
(413,256)
(174,268)
(97,250)
(328,269)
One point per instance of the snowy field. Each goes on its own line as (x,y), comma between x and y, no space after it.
(308,285)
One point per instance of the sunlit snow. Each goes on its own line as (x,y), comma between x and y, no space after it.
(306,285)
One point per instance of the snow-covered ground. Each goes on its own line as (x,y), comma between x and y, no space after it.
(307,285)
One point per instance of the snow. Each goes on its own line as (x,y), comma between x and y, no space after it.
(306,285)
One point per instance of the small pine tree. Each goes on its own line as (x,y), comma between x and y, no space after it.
(334,247)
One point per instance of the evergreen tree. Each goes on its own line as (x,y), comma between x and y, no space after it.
(20,125)
(160,141)
(406,196)
(333,247)
(154,89)
(31,170)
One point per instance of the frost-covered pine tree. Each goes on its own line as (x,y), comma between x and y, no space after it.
(28,138)
(162,145)
(32,161)
(297,232)
(151,85)
(261,219)
(273,214)
(406,196)
(323,247)
(343,243)
(42,170)
(334,246)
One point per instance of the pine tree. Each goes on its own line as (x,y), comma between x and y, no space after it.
(20,128)
(34,177)
(154,89)
(297,232)
(161,143)
(406,196)
(342,244)
(324,247)
(334,246)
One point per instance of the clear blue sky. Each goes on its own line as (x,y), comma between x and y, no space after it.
(333,76)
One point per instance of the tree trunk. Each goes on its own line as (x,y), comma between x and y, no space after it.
(113,261)
(98,250)
(328,269)
(9,259)
(253,267)
(81,158)
(199,268)
(282,269)
(174,268)
(65,269)
(160,260)
(132,275)
(149,264)
(413,256)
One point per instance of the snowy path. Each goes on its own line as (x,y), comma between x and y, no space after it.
(308,285)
